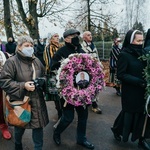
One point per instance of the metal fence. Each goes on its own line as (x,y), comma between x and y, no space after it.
(104,49)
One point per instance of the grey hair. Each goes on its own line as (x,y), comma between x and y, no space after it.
(24,39)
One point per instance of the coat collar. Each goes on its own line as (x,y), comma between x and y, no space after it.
(24,58)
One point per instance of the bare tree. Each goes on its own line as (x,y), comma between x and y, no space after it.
(31,18)
(38,9)
(7,19)
(133,11)
(92,14)
(24,15)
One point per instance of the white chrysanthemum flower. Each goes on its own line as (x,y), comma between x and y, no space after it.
(58,84)
(68,75)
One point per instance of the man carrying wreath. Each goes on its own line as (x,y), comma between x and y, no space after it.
(72,45)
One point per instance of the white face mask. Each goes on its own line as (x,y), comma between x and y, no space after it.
(42,43)
(28,51)
(120,45)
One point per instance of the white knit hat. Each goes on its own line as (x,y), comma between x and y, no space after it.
(50,35)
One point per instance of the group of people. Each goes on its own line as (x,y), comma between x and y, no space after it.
(16,80)
(126,70)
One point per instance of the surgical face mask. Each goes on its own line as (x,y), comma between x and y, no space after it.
(75,41)
(42,42)
(28,51)
(120,45)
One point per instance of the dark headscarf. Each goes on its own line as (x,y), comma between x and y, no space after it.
(128,46)
(127,39)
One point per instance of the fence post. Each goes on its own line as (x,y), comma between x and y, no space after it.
(103,48)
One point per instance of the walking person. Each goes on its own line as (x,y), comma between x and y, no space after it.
(10,46)
(89,47)
(16,80)
(50,49)
(40,50)
(130,71)
(49,52)
(3,126)
(2,47)
(114,54)
(72,46)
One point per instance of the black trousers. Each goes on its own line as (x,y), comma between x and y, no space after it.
(67,118)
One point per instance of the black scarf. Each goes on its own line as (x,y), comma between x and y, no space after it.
(136,50)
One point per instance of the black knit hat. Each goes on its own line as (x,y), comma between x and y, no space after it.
(70,32)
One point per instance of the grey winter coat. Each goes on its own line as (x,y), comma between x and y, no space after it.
(16,71)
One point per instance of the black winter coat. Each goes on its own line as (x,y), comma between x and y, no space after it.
(11,47)
(64,52)
(130,72)
(39,52)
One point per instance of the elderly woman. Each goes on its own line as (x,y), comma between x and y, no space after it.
(49,52)
(16,80)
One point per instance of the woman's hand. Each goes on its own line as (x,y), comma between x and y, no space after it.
(29,86)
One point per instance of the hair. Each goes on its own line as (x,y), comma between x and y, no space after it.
(82,74)
(10,39)
(24,39)
(85,33)
(117,40)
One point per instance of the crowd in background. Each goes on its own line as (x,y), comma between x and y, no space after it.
(126,74)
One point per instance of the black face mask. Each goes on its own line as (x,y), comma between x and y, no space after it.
(75,41)
(134,46)
(137,49)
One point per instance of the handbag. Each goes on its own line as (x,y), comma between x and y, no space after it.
(18,113)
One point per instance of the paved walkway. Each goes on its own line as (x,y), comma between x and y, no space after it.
(98,129)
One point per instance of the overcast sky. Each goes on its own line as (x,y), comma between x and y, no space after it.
(46,27)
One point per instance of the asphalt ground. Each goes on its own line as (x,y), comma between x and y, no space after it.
(98,128)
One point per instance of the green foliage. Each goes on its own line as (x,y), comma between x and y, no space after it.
(115,33)
(147,73)
(138,26)
(106,34)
